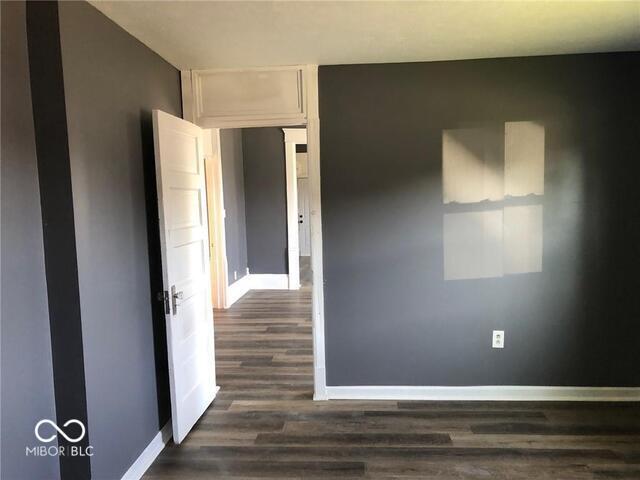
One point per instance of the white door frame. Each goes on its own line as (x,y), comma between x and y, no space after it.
(309,102)
(293,137)
(216,214)
(313,156)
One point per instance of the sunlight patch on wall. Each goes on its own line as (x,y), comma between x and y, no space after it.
(473,245)
(522,239)
(480,164)
(472,168)
(493,243)
(523,159)
(489,165)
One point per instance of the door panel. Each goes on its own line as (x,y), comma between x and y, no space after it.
(180,176)
(304,231)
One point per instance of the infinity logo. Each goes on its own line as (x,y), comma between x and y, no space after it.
(67,423)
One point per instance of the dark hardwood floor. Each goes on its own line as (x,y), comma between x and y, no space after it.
(264,423)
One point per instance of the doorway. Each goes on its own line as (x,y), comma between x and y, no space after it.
(304,227)
(264,338)
(253,210)
(193,223)
(242,113)
(304,232)
(269,97)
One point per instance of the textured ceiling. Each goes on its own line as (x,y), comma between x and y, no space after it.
(239,33)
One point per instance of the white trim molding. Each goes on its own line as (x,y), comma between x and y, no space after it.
(486,393)
(313,156)
(256,281)
(149,454)
(320,390)
(216,216)
(225,98)
(269,281)
(237,290)
(187,96)
(295,135)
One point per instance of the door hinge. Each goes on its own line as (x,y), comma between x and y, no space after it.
(164,297)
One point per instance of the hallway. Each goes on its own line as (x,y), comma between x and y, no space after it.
(264,424)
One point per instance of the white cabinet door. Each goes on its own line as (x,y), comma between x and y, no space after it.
(180,175)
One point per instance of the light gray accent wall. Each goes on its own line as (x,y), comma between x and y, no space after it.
(27,372)
(234,202)
(265,199)
(112,82)
(391,315)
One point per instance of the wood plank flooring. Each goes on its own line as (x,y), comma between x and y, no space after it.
(264,423)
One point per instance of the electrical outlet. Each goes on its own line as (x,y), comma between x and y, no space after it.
(247,270)
(235,275)
(498,339)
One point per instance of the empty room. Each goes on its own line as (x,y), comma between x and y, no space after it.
(320,239)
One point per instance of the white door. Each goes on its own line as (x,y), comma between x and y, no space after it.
(304,230)
(180,175)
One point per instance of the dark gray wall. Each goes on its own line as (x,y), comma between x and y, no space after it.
(265,199)
(112,82)
(391,318)
(233,190)
(27,372)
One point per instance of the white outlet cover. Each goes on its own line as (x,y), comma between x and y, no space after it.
(498,339)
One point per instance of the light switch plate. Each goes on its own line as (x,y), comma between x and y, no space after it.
(498,339)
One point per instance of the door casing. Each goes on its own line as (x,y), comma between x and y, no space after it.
(216,214)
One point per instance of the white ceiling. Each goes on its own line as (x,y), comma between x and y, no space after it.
(239,33)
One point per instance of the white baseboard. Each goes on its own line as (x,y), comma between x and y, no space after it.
(255,281)
(268,281)
(149,454)
(493,393)
(237,289)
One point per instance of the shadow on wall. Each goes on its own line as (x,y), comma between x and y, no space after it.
(485,171)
